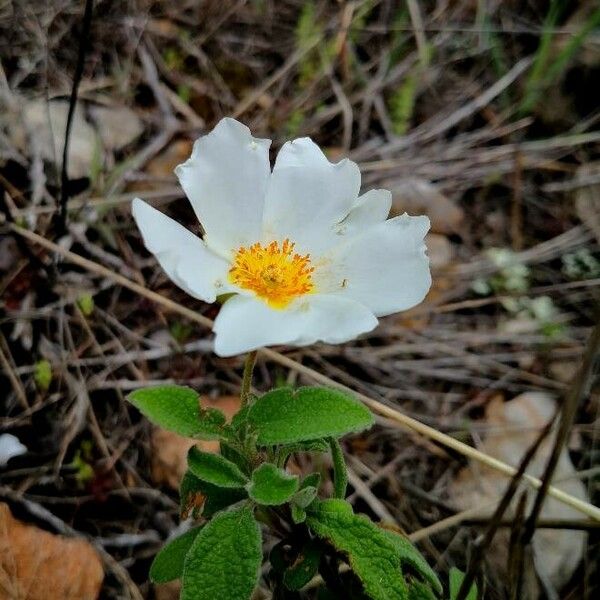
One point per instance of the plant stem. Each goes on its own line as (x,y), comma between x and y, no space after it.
(247,377)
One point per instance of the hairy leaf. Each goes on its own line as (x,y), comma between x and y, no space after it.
(224,560)
(215,469)
(411,556)
(421,591)
(372,556)
(168,563)
(305,567)
(298,514)
(285,416)
(271,485)
(319,445)
(304,497)
(311,480)
(177,408)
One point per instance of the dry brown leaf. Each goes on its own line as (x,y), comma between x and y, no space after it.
(167,591)
(45,123)
(419,197)
(38,565)
(117,126)
(513,428)
(163,165)
(563,370)
(170,450)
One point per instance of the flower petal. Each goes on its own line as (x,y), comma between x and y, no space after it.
(246,323)
(308,196)
(184,256)
(226,180)
(371,208)
(385,268)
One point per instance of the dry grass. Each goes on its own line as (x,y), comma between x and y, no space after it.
(439,92)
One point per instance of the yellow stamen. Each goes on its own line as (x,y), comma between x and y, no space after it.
(275,273)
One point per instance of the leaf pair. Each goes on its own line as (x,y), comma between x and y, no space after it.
(268,485)
(282,416)
(221,559)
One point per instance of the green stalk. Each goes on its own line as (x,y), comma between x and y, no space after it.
(247,377)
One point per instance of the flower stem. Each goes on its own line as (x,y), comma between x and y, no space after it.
(247,377)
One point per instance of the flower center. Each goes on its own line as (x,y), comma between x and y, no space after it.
(274,272)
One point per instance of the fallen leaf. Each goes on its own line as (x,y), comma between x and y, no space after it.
(47,121)
(169,456)
(163,164)
(110,128)
(418,197)
(38,565)
(169,452)
(563,370)
(117,126)
(513,428)
(167,591)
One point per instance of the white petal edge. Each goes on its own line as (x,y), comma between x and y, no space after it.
(386,267)
(371,208)
(246,323)
(183,256)
(308,196)
(226,181)
(10,446)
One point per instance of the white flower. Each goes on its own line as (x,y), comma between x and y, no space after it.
(10,446)
(305,256)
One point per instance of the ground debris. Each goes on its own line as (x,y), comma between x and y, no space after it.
(38,565)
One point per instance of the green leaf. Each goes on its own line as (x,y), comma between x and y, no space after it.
(240,418)
(215,469)
(234,454)
(456,577)
(272,486)
(372,556)
(86,304)
(224,560)
(340,474)
(177,408)
(305,567)
(305,496)
(298,514)
(42,374)
(199,497)
(306,493)
(285,416)
(411,556)
(311,480)
(168,563)
(420,591)
(319,445)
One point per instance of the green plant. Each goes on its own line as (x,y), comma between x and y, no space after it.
(273,267)
(547,69)
(247,487)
